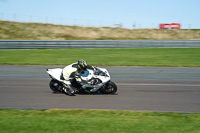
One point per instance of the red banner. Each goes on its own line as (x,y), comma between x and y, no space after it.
(170,26)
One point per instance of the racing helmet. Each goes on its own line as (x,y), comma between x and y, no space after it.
(82,65)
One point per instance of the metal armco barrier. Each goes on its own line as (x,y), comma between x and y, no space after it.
(55,44)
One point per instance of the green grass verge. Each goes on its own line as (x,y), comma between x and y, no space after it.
(172,57)
(96,121)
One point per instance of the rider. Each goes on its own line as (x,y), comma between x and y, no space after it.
(72,72)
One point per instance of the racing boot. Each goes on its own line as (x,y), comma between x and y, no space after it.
(69,90)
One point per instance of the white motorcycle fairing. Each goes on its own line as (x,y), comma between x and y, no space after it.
(90,75)
(55,73)
(100,73)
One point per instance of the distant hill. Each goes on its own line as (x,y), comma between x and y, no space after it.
(38,31)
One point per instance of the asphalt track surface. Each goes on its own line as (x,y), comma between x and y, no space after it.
(163,89)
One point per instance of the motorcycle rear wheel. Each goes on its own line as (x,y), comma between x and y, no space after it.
(110,88)
(55,86)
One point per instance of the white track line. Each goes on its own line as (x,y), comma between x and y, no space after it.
(142,84)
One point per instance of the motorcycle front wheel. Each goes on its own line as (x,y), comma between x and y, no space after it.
(109,88)
(55,86)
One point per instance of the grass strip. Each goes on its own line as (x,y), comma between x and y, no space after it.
(96,121)
(170,57)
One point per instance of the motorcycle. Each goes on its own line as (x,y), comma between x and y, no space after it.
(98,80)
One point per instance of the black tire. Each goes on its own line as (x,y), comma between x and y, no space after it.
(55,86)
(110,88)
